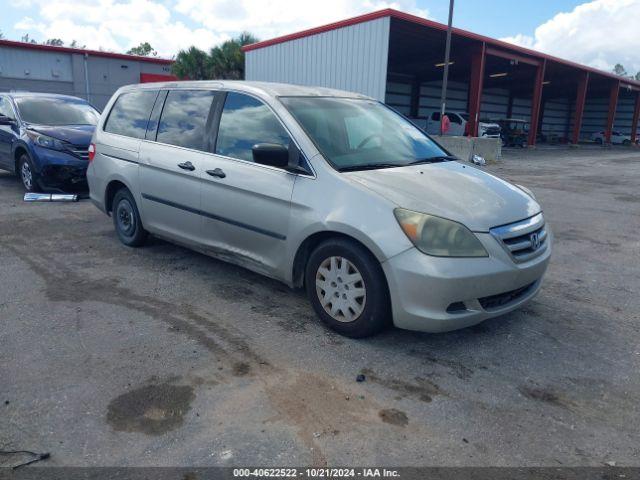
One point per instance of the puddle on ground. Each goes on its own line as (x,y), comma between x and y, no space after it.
(152,409)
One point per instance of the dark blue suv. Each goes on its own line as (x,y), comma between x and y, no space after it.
(44,139)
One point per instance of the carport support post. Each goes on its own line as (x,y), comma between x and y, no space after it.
(535,104)
(636,116)
(581,98)
(613,103)
(475,88)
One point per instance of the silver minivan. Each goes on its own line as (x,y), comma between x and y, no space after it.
(321,189)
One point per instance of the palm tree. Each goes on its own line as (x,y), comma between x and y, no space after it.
(193,64)
(225,61)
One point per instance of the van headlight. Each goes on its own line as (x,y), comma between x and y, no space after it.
(438,236)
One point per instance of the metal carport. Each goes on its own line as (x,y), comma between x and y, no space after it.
(398,58)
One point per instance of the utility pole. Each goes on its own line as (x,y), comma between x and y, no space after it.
(445,75)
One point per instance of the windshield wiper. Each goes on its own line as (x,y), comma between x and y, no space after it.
(370,166)
(436,159)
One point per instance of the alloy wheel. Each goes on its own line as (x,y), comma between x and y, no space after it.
(341,289)
(26,175)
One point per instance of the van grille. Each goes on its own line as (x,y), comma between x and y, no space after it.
(523,240)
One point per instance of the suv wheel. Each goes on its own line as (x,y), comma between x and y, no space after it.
(347,289)
(126,219)
(27,174)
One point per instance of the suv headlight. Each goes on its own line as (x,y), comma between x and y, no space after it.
(438,236)
(46,141)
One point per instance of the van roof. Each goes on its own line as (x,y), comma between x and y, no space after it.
(265,88)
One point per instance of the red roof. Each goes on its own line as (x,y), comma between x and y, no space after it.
(389,12)
(81,51)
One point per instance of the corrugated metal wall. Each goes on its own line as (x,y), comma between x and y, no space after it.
(63,72)
(351,58)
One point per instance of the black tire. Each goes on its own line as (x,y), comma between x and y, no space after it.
(126,219)
(27,174)
(375,314)
(598,140)
(626,143)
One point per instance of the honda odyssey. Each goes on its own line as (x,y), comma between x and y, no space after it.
(321,189)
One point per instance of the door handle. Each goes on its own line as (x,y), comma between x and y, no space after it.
(187,166)
(217,173)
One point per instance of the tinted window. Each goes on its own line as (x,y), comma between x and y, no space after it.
(130,114)
(5,108)
(246,121)
(184,117)
(56,111)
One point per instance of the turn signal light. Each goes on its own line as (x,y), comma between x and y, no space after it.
(92,151)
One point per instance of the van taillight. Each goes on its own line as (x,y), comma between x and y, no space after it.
(92,151)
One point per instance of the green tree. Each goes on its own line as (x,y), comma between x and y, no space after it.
(56,42)
(637,77)
(193,64)
(75,44)
(27,39)
(619,70)
(1,35)
(227,60)
(144,50)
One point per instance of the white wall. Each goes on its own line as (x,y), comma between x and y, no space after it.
(352,58)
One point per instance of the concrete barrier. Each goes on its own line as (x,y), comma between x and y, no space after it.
(465,147)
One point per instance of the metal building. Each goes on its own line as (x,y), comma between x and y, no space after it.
(89,74)
(397,58)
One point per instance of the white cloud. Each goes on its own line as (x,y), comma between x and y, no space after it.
(267,19)
(116,25)
(599,33)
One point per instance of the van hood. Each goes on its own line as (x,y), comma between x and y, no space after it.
(451,190)
(75,134)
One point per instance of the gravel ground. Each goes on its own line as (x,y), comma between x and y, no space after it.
(162,356)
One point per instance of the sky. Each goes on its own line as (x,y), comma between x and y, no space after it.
(599,33)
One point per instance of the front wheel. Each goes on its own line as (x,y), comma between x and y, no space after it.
(27,174)
(347,289)
(126,219)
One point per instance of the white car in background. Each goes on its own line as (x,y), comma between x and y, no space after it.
(617,138)
(458,125)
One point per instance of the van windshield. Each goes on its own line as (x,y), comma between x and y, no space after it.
(361,134)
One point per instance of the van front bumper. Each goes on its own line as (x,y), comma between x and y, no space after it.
(436,294)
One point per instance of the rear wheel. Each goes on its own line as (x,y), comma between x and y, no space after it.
(27,174)
(347,289)
(126,219)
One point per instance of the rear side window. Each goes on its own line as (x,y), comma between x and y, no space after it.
(130,114)
(246,121)
(184,118)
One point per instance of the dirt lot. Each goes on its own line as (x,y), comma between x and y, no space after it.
(162,356)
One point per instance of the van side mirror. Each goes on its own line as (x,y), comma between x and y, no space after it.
(272,154)
(6,120)
(280,156)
